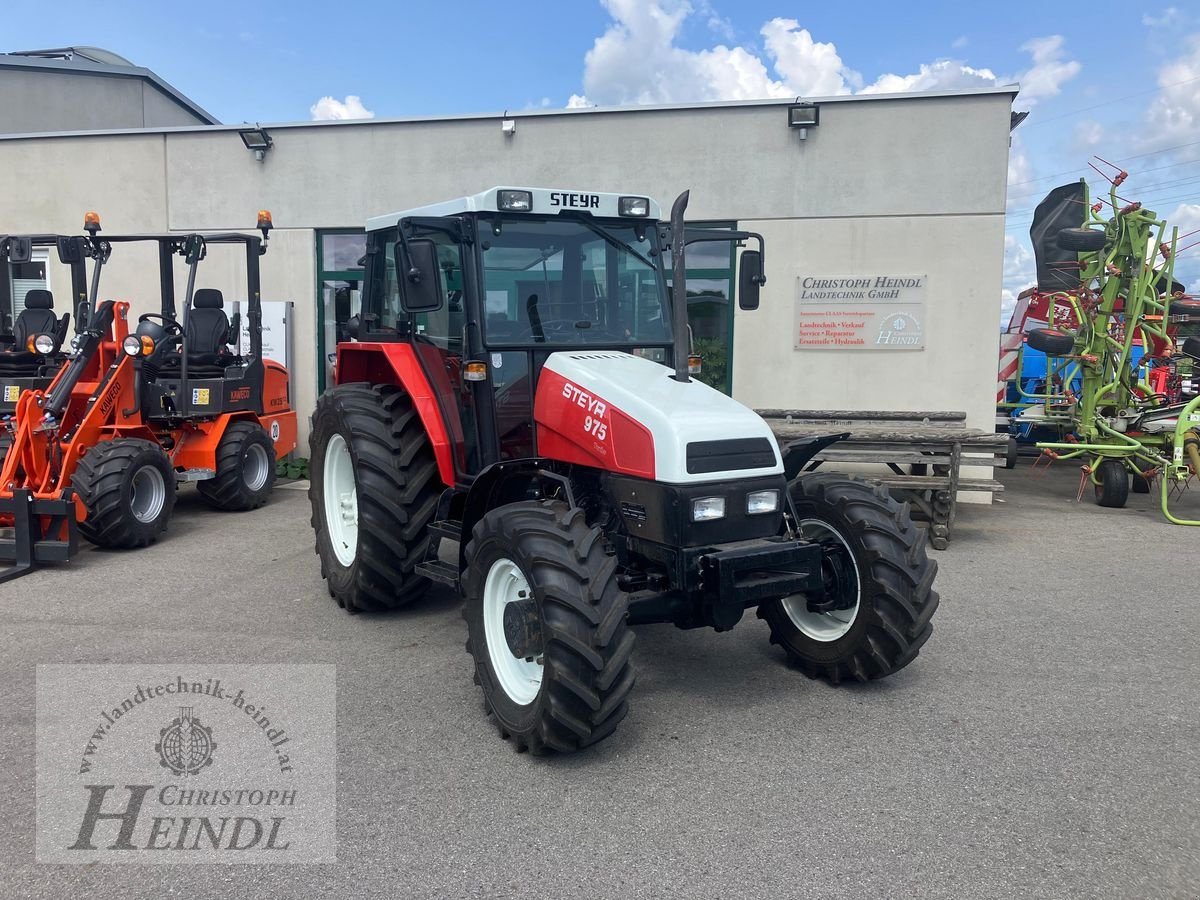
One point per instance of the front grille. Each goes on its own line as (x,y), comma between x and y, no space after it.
(729,455)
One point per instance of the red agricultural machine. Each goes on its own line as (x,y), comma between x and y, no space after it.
(516,418)
(131,414)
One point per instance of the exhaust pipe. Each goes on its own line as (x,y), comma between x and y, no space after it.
(679,317)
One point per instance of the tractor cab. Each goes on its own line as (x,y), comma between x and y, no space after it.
(34,335)
(487,288)
(188,355)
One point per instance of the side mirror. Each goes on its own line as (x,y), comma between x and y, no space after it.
(70,250)
(421,278)
(750,279)
(20,249)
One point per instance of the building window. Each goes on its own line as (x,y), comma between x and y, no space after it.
(340,261)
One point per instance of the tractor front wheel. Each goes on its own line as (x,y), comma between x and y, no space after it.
(374,489)
(546,626)
(128,487)
(1111,483)
(875,613)
(245,469)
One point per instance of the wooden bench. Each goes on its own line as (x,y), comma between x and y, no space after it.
(924,453)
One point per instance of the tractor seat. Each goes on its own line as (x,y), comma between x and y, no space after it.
(36,318)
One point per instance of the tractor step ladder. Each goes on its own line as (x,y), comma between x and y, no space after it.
(29,545)
(434,568)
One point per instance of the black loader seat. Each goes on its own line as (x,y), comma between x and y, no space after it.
(208,337)
(36,318)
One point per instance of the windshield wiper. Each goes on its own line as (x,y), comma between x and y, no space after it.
(614,240)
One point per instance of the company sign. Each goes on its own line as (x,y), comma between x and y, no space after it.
(860,312)
(186,764)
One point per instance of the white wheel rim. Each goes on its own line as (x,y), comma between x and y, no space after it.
(832,625)
(519,679)
(341,500)
(147,494)
(257,467)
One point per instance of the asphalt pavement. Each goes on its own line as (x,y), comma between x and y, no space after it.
(1045,743)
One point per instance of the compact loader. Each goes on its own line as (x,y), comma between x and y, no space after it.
(132,414)
(516,418)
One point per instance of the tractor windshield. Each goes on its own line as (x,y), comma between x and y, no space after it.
(554,280)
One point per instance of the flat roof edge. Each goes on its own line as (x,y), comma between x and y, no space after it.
(1010,89)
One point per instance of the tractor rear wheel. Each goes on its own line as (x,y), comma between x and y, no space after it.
(245,469)
(876,573)
(1112,483)
(374,489)
(128,487)
(546,626)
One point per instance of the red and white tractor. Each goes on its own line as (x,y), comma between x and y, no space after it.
(515,418)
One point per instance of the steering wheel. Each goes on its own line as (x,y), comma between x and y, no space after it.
(562,327)
(173,328)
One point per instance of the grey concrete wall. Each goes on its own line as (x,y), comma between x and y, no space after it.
(907,186)
(46,100)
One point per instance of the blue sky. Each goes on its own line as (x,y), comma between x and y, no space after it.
(1121,80)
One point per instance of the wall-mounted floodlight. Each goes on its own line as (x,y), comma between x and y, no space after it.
(258,140)
(804,116)
(508,126)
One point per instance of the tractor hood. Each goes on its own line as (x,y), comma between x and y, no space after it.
(620,412)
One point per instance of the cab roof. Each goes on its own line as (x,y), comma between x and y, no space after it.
(546,201)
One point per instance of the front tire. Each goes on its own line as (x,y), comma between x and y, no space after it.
(876,564)
(128,487)
(538,576)
(374,489)
(245,469)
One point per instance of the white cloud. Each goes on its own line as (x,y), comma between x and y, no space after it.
(330,108)
(1170,16)
(808,68)
(942,75)
(959,42)
(638,61)
(1049,71)
(1186,218)
(579,101)
(1174,116)
(1088,133)
(1020,272)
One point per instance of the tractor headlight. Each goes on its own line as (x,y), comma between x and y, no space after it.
(759,502)
(515,201)
(633,206)
(132,345)
(706,509)
(43,344)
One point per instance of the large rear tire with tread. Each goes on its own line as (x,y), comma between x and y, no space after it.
(128,487)
(542,560)
(876,558)
(245,469)
(1112,483)
(372,526)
